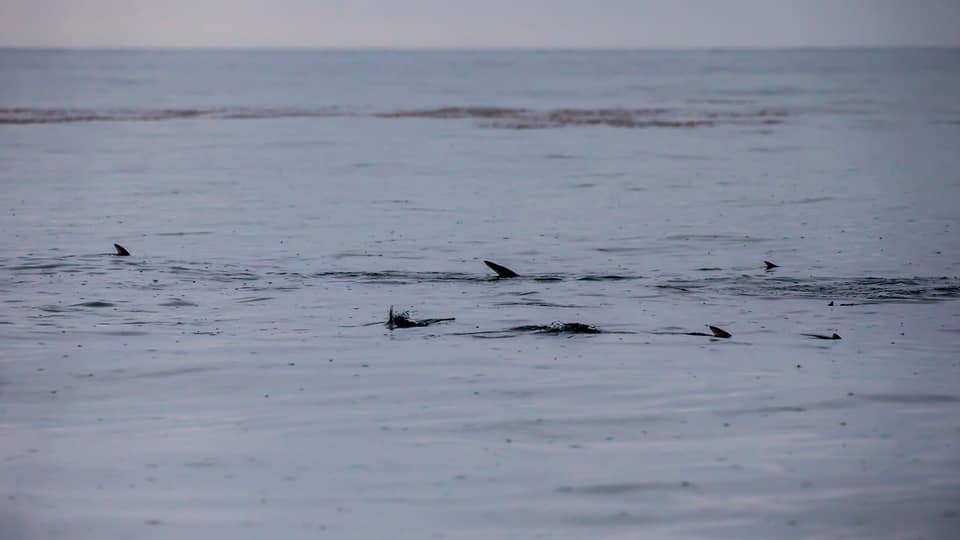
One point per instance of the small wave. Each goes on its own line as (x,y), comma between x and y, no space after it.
(539,303)
(124,333)
(716,238)
(205,272)
(178,302)
(812,200)
(862,290)
(39,266)
(607,277)
(907,399)
(554,329)
(254,299)
(624,488)
(391,277)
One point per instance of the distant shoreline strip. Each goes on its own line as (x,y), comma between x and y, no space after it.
(490,117)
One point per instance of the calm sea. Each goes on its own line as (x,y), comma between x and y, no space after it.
(234,376)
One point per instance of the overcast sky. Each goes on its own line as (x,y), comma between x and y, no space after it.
(478,23)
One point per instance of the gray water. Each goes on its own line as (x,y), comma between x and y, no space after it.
(234,376)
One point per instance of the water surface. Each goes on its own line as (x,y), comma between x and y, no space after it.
(234,375)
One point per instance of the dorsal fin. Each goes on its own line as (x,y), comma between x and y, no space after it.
(121,251)
(770,265)
(502,271)
(719,332)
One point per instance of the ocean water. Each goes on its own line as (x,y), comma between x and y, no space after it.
(234,377)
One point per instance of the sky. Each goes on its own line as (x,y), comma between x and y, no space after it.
(478,23)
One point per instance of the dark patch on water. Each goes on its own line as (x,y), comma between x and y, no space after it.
(206,273)
(564,427)
(812,200)
(494,117)
(455,112)
(911,398)
(401,278)
(389,277)
(252,299)
(539,303)
(40,115)
(125,333)
(618,519)
(607,277)
(863,290)
(203,464)
(40,266)
(173,372)
(178,302)
(778,409)
(774,149)
(716,238)
(625,488)
(94,304)
(621,249)
(553,329)
(558,328)
(347,254)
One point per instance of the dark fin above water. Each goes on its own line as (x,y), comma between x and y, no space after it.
(770,265)
(502,271)
(719,332)
(822,336)
(121,251)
